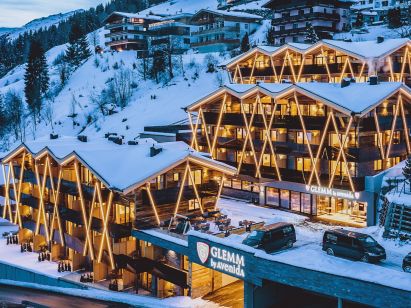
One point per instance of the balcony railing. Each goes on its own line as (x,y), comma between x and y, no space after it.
(216,30)
(220,41)
(306,17)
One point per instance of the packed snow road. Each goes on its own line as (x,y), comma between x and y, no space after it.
(307,251)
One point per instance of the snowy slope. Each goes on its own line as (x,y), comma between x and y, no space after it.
(368,33)
(36,24)
(181,6)
(89,80)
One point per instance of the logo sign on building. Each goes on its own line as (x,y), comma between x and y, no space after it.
(221,259)
(332,192)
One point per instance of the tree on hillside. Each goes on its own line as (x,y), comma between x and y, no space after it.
(394,18)
(78,49)
(311,36)
(158,64)
(245,43)
(36,79)
(15,115)
(406,171)
(270,37)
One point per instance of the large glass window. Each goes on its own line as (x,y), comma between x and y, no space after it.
(285,199)
(306,203)
(272,196)
(295,201)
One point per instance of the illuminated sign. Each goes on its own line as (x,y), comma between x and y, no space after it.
(332,192)
(221,259)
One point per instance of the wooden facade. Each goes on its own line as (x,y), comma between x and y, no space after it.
(64,206)
(321,62)
(297,136)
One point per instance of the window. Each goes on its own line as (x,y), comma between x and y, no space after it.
(193,205)
(285,199)
(176,177)
(272,196)
(377,165)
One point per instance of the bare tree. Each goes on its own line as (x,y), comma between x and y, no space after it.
(48,112)
(16,115)
(122,86)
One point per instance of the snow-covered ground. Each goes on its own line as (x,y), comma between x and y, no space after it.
(369,33)
(118,297)
(307,251)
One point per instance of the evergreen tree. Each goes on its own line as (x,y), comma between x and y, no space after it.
(270,37)
(78,49)
(311,36)
(36,78)
(406,171)
(394,18)
(359,21)
(245,43)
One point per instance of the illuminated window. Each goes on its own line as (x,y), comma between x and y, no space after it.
(377,164)
(193,205)
(176,177)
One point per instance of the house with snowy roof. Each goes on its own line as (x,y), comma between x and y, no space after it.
(127,31)
(324,61)
(306,147)
(80,199)
(291,18)
(220,30)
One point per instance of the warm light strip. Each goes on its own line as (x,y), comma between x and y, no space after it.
(180,192)
(7,193)
(379,137)
(220,117)
(241,74)
(194,143)
(393,126)
(361,72)
(56,209)
(252,70)
(220,189)
(403,64)
(195,188)
(342,142)
(204,125)
(306,137)
(274,70)
(153,205)
(83,209)
(404,120)
(300,71)
(326,64)
(343,70)
(292,67)
(90,219)
(320,147)
(391,68)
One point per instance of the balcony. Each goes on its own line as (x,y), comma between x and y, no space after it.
(212,42)
(306,17)
(303,30)
(169,195)
(217,30)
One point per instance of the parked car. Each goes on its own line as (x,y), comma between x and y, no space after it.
(272,237)
(353,245)
(406,263)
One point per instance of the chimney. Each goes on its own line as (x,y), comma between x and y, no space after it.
(345,82)
(155,151)
(373,80)
(380,39)
(54,136)
(82,138)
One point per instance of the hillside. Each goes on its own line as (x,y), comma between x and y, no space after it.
(85,85)
(36,24)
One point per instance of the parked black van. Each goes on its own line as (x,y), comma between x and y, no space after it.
(353,245)
(406,263)
(272,237)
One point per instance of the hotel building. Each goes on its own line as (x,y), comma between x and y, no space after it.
(81,201)
(306,147)
(325,61)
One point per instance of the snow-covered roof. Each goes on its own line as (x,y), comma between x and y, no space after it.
(352,97)
(229,14)
(243,90)
(369,49)
(133,15)
(120,167)
(347,99)
(362,50)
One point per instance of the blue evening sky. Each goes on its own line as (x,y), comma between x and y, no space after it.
(15,13)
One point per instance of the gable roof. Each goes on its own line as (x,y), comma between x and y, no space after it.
(229,14)
(133,15)
(364,50)
(350,99)
(120,167)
